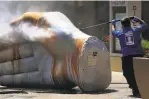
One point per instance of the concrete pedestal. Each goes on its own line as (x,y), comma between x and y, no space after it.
(141,69)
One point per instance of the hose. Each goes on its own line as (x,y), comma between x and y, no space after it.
(96,25)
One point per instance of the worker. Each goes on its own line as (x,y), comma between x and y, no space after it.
(130,42)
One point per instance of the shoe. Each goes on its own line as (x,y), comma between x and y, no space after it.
(136,94)
(130,87)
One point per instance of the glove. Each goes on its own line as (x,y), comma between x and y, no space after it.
(114,21)
(135,18)
(131,17)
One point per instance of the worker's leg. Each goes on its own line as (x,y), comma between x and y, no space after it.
(133,80)
(128,72)
(127,69)
(127,66)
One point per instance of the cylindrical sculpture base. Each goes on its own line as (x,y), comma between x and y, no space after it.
(94,66)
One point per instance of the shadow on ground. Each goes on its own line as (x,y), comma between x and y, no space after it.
(134,96)
(6,90)
(118,83)
(76,90)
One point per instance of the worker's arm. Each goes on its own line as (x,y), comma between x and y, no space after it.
(114,31)
(143,25)
(137,19)
(113,27)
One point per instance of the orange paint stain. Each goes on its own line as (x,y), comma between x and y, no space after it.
(75,57)
(54,71)
(35,17)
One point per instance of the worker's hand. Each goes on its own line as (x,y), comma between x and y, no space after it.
(114,21)
(131,17)
(134,18)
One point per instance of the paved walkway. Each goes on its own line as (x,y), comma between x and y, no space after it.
(117,90)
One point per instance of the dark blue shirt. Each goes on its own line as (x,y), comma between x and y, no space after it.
(130,39)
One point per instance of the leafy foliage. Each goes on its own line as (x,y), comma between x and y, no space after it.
(145,45)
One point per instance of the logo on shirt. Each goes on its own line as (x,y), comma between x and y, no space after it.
(129,38)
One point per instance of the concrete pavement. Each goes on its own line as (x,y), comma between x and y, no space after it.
(117,90)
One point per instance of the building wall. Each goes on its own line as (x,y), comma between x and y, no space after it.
(145,14)
(145,17)
(81,13)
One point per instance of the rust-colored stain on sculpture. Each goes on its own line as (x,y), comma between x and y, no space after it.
(68,49)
